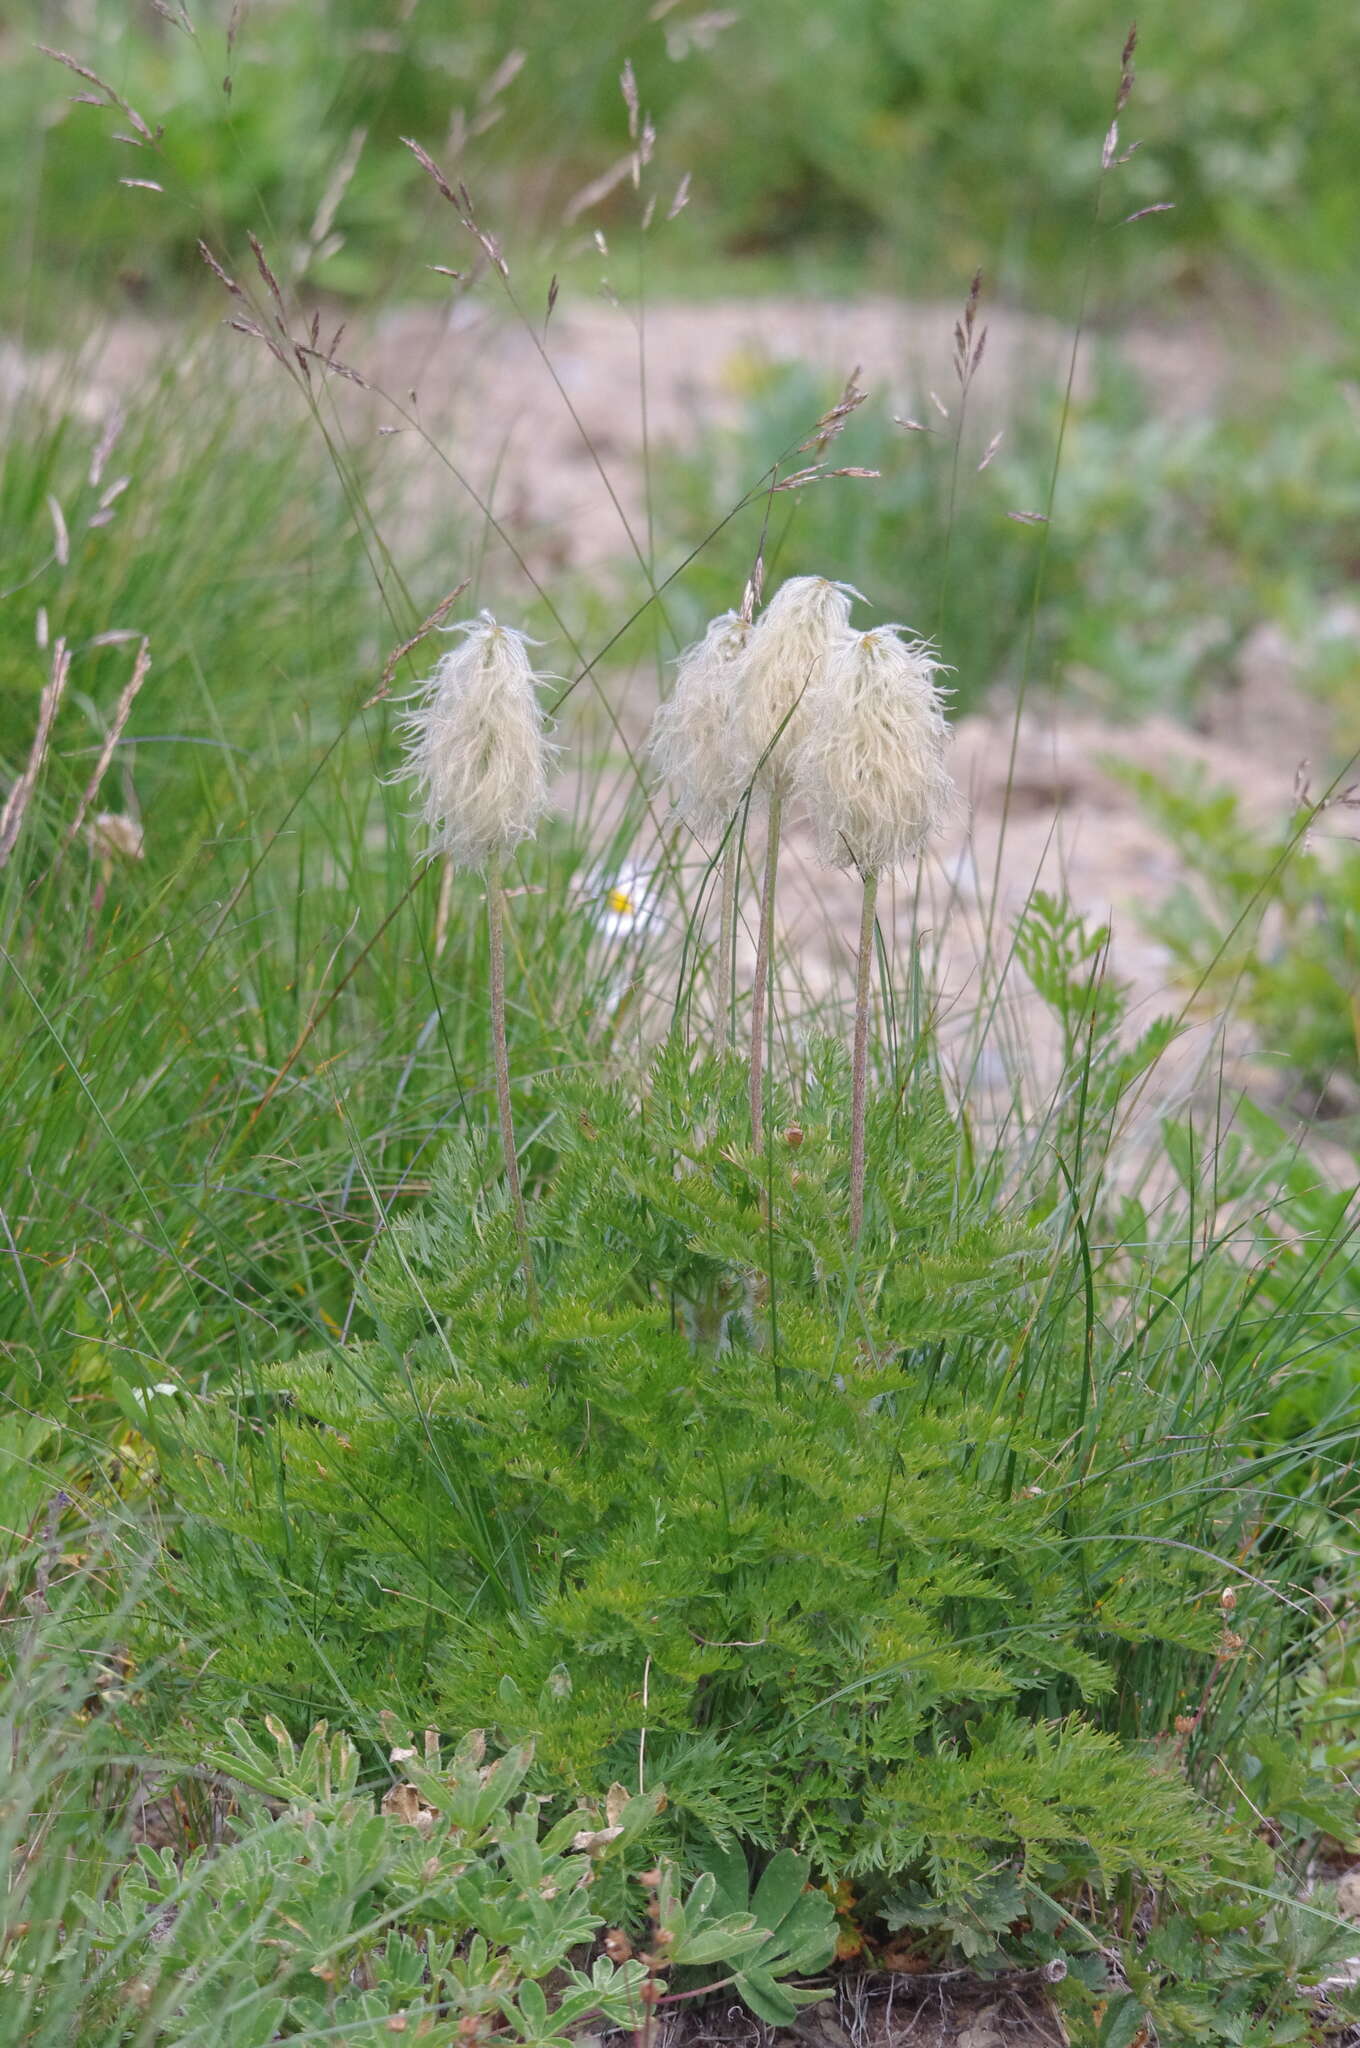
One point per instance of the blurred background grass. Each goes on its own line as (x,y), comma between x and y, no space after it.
(903,146)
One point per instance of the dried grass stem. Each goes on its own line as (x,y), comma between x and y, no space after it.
(19,798)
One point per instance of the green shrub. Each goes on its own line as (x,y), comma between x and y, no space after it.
(1272,920)
(900,1562)
(941,138)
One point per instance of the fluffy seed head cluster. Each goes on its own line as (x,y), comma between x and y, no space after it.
(850,726)
(871,767)
(696,743)
(785,669)
(476,748)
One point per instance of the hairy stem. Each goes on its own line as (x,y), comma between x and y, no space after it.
(760,994)
(726,926)
(495,905)
(444,907)
(859,1081)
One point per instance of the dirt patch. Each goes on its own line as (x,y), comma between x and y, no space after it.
(532,430)
(944,2009)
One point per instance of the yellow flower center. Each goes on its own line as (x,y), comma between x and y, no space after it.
(620,902)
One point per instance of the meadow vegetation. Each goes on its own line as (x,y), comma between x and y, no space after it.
(734,1537)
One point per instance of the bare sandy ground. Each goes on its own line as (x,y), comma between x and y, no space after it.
(529,423)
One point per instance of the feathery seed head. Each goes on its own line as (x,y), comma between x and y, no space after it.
(788,653)
(696,740)
(475,746)
(872,766)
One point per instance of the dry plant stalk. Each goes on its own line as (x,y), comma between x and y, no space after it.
(121,715)
(405,647)
(21,795)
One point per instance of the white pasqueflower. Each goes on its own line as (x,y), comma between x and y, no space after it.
(871,767)
(627,904)
(476,748)
(785,662)
(697,743)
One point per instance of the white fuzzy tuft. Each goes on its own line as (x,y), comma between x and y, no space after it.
(871,769)
(476,748)
(696,741)
(785,667)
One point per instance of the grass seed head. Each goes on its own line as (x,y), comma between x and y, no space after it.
(790,644)
(871,767)
(476,748)
(697,740)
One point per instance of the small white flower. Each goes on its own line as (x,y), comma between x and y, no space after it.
(871,768)
(627,905)
(475,746)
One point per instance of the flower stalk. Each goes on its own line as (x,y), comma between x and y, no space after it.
(859,1085)
(762,992)
(872,773)
(785,671)
(727,929)
(495,904)
(699,747)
